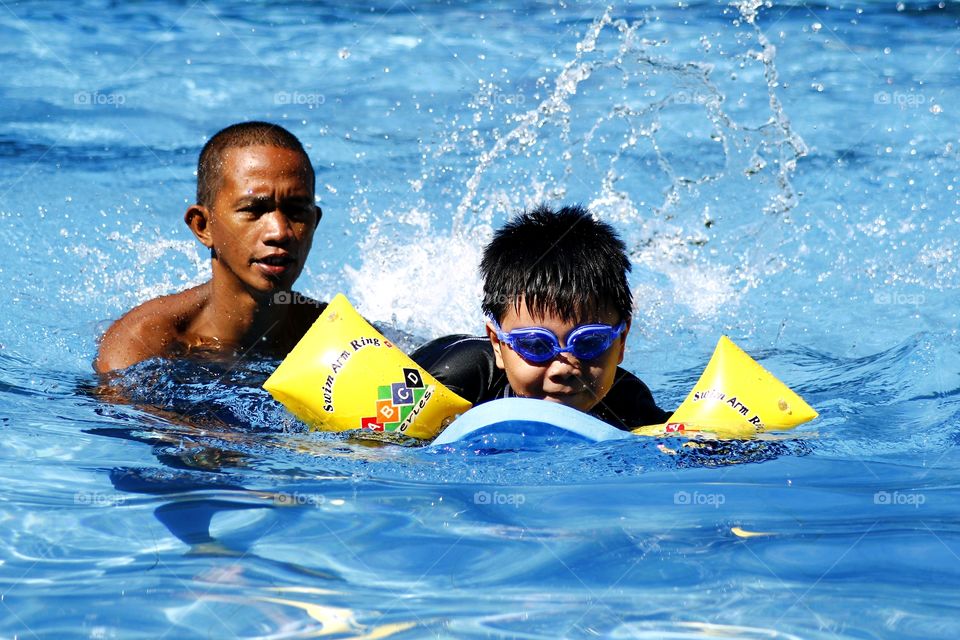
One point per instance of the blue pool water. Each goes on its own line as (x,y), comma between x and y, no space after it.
(784,174)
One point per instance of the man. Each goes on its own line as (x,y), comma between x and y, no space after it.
(256,214)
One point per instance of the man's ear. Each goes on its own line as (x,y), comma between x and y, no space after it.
(623,340)
(497,345)
(319,215)
(197,218)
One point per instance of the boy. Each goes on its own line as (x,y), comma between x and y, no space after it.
(256,214)
(558,311)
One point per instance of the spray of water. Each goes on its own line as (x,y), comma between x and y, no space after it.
(644,139)
(117,287)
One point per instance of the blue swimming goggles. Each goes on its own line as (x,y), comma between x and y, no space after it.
(536,344)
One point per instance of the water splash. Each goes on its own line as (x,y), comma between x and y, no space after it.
(114,286)
(645,139)
(430,282)
(524,133)
(788,144)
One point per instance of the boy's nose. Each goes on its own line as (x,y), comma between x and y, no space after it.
(563,365)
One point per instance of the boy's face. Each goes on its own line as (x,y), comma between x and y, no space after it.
(261,222)
(580,384)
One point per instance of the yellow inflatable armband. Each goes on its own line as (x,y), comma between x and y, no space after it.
(734,398)
(343,375)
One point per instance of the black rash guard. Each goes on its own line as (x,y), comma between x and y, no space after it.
(467,366)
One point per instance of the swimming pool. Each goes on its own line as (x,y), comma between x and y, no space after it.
(784,175)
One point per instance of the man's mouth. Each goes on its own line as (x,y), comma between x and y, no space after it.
(275,264)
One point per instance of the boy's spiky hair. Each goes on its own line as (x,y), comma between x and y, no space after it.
(243,134)
(561,262)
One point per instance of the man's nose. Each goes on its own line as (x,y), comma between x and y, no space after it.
(277,227)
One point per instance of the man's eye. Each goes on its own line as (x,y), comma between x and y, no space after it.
(255,209)
(299,211)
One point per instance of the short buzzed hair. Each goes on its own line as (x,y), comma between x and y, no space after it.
(562,262)
(243,134)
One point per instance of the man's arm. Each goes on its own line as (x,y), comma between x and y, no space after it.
(149,330)
(144,332)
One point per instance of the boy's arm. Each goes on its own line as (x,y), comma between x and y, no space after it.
(464,364)
(629,404)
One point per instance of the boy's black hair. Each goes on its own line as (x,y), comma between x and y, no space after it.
(560,262)
(243,134)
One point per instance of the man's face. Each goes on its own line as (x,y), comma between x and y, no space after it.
(580,384)
(263,217)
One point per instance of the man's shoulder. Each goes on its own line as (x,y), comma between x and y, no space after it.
(150,329)
(170,310)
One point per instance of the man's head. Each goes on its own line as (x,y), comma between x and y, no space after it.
(242,134)
(559,270)
(255,207)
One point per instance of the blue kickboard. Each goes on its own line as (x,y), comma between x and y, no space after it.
(527,417)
